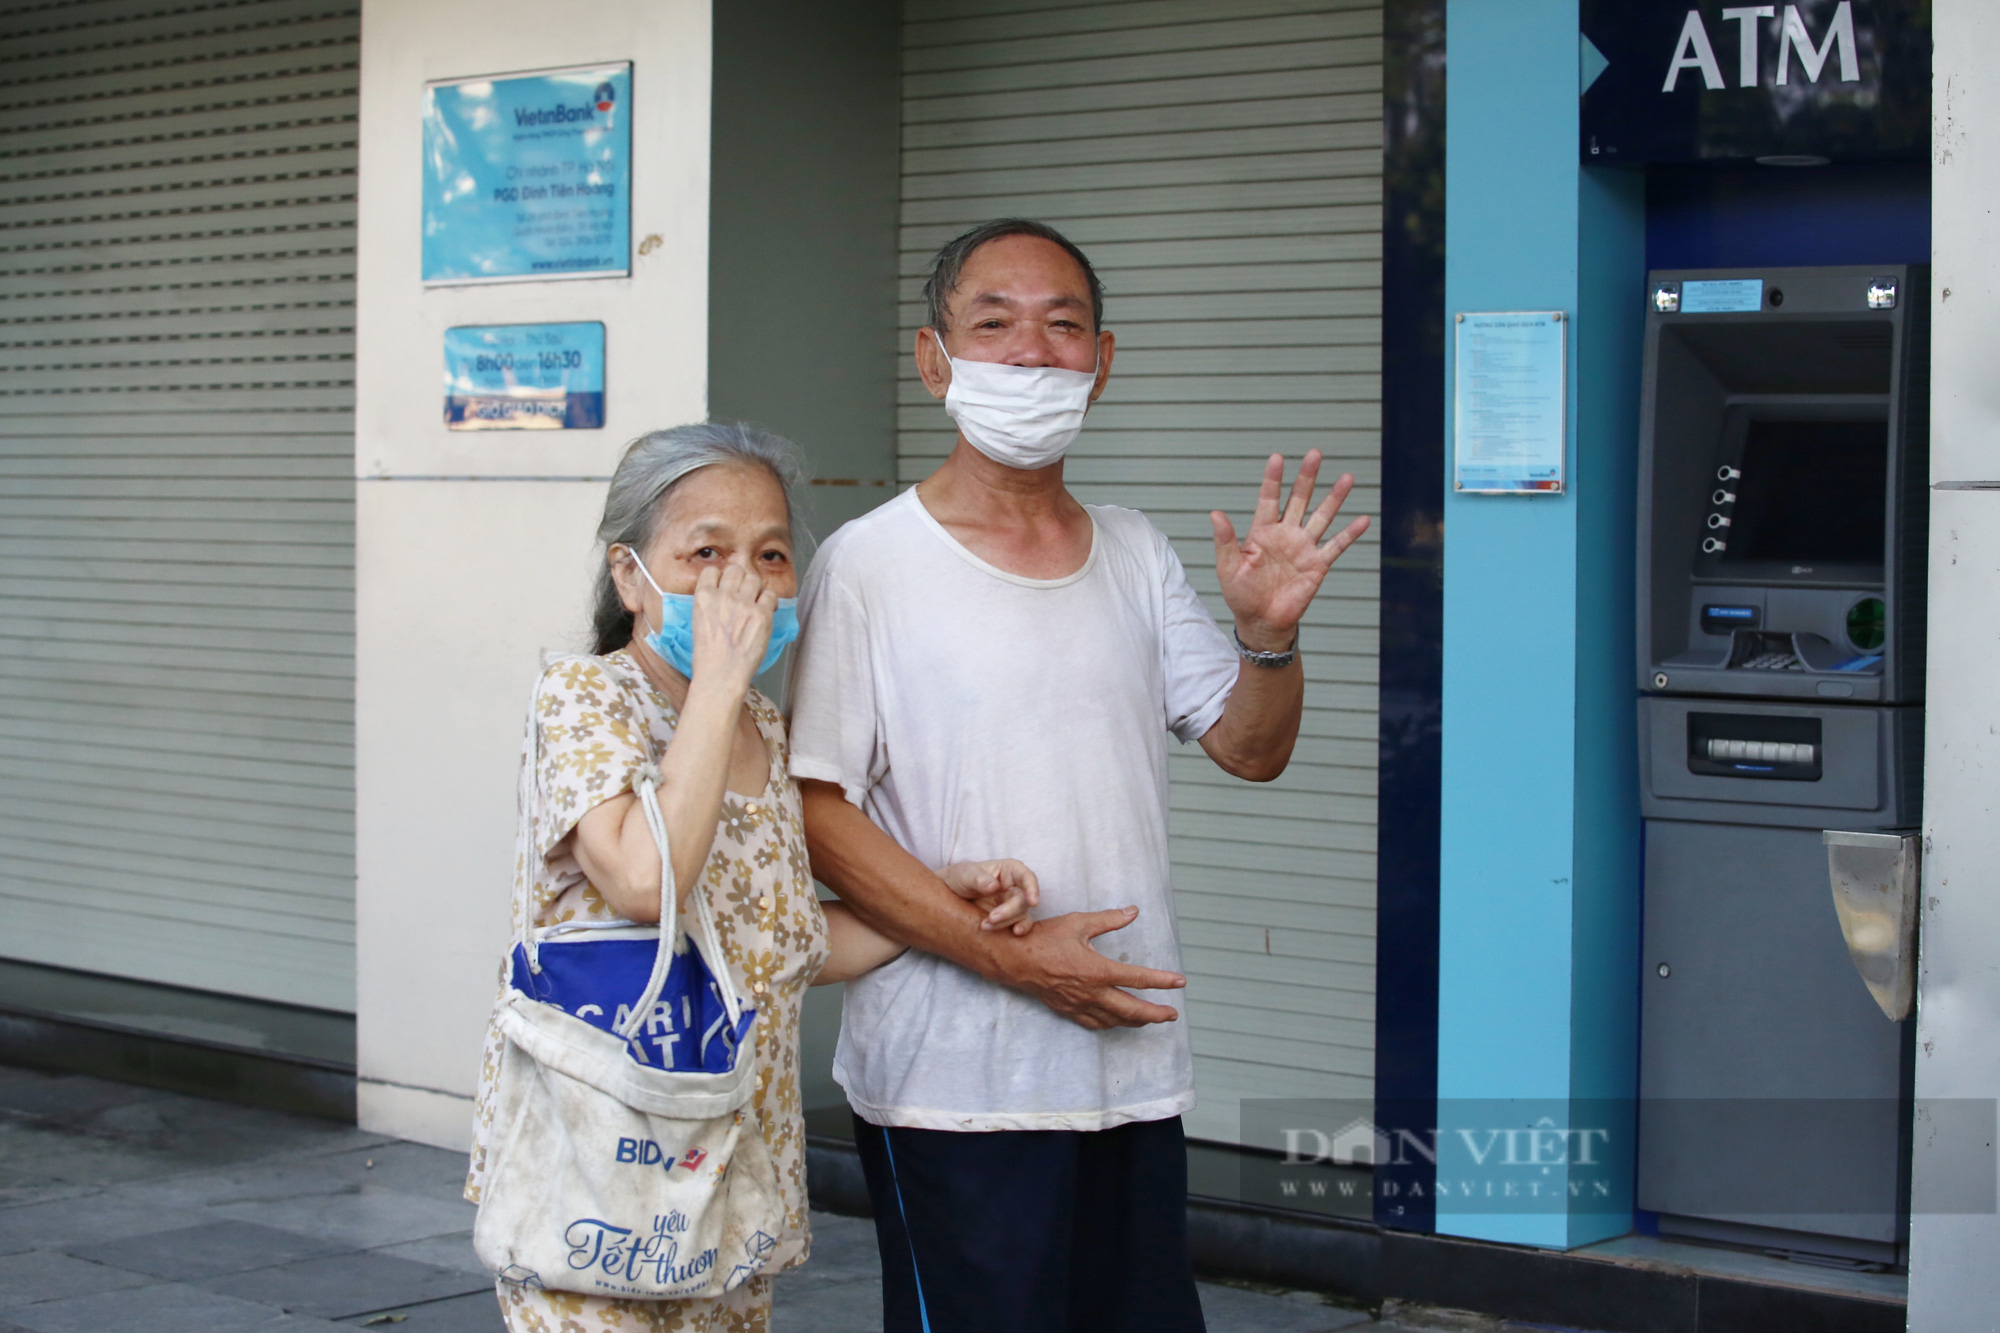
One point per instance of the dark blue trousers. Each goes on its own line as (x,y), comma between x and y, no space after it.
(1032,1231)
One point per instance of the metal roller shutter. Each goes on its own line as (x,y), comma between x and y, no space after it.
(176,491)
(1222,165)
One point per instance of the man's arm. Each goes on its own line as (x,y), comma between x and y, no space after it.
(1268,581)
(900,897)
(1253,738)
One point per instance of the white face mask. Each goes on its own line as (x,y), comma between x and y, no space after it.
(1018,416)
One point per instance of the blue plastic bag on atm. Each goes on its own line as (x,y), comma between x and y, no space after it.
(597,979)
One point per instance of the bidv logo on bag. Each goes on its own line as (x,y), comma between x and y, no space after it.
(645,1152)
(594,979)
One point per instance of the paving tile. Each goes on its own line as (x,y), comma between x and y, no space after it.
(40,1156)
(167,1307)
(31,1092)
(88,1131)
(838,1290)
(136,1116)
(17,1188)
(348,1284)
(1239,1310)
(476,1313)
(454,1252)
(284,1178)
(843,1253)
(44,1275)
(97,1216)
(254,1213)
(213,1249)
(845,1244)
(365,1218)
(407,1165)
(805,1305)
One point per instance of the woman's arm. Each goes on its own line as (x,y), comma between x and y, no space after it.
(1004,890)
(853,946)
(732,623)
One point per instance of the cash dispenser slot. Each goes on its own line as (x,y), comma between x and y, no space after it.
(1743,745)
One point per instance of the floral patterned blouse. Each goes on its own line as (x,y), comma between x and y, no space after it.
(757,879)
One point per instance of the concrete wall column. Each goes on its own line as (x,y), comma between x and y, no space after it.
(475,551)
(1954,1282)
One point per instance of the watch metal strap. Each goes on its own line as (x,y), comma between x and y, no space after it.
(1284,659)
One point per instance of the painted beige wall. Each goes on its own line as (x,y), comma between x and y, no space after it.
(474,549)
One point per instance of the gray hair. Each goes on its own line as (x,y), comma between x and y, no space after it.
(950,262)
(653,465)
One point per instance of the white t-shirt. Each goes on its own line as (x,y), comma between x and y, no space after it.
(975,714)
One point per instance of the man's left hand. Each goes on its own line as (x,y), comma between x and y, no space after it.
(1270,578)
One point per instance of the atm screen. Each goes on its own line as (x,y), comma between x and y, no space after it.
(1812,492)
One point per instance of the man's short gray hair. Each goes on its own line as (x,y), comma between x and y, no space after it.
(653,465)
(950,262)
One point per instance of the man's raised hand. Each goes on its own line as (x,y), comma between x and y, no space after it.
(1271,577)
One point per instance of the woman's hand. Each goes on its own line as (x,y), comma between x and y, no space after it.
(732,626)
(1005,890)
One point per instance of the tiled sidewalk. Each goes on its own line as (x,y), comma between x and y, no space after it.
(126,1210)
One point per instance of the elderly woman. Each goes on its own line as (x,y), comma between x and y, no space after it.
(700,563)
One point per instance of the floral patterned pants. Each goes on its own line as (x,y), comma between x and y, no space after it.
(532,1310)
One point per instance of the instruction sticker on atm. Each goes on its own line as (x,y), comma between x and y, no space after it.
(1722,296)
(1509,403)
(524,377)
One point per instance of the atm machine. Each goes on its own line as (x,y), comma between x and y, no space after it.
(1783,494)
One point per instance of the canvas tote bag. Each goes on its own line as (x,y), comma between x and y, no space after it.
(623,1159)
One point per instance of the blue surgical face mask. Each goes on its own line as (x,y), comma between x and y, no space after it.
(674,639)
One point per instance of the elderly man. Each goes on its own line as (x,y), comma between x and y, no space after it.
(990,670)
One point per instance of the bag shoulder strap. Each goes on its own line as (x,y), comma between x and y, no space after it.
(646,787)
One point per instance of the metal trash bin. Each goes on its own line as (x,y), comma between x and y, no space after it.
(1875,888)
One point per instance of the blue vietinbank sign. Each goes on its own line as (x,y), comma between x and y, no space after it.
(528,177)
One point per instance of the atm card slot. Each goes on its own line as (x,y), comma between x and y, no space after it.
(1726,618)
(1742,745)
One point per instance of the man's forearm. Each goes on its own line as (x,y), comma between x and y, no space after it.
(899,896)
(890,889)
(1253,738)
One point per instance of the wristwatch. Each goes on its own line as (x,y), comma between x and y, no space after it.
(1256,658)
